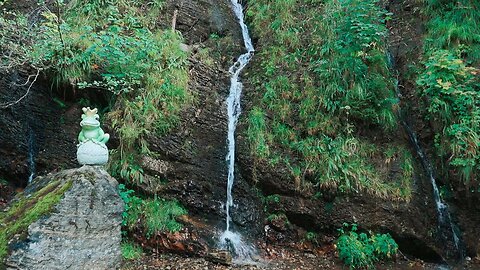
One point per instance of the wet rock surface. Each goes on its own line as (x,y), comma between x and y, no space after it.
(197,19)
(38,126)
(82,232)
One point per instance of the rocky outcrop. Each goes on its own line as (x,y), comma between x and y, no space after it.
(83,230)
(197,19)
(410,223)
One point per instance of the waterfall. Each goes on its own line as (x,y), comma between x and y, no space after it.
(232,240)
(444,218)
(31,155)
(446,226)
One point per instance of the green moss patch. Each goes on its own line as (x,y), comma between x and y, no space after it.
(28,210)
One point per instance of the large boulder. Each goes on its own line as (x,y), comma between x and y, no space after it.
(83,231)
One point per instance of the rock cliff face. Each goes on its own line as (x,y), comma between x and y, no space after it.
(38,126)
(82,232)
(192,157)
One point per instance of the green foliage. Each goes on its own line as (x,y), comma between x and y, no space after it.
(160,215)
(131,251)
(451,86)
(323,72)
(272,198)
(112,46)
(454,25)
(312,237)
(28,210)
(133,206)
(152,215)
(359,250)
(15,40)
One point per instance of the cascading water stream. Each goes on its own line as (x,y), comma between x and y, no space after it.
(446,226)
(230,240)
(444,218)
(31,155)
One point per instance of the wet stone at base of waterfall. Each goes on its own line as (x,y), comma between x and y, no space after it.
(220,256)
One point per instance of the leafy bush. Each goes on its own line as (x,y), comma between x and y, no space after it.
(112,46)
(450,85)
(359,250)
(152,215)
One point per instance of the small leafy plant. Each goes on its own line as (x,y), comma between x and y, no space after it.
(361,250)
(152,215)
(131,251)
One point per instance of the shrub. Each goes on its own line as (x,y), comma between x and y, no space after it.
(450,85)
(359,250)
(152,215)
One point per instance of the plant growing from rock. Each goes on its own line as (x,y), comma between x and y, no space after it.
(131,251)
(151,215)
(450,86)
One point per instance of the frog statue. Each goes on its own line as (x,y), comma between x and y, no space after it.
(91,149)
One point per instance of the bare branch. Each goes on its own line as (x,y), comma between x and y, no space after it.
(9,104)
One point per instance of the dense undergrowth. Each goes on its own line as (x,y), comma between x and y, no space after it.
(360,250)
(152,215)
(324,75)
(111,46)
(116,48)
(450,85)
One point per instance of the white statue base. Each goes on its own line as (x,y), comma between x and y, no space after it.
(92,153)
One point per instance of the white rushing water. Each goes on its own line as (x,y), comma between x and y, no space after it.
(444,218)
(230,240)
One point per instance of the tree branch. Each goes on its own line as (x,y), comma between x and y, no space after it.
(9,104)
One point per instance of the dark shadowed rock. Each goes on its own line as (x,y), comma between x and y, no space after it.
(37,125)
(82,232)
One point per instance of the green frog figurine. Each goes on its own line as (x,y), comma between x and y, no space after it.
(91,149)
(91,129)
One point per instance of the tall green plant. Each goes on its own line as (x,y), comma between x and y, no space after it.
(151,215)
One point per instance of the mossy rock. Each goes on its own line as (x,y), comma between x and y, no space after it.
(28,209)
(71,218)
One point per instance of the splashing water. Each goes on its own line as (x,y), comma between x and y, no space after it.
(230,240)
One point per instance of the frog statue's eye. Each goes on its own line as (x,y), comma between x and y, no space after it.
(97,117)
